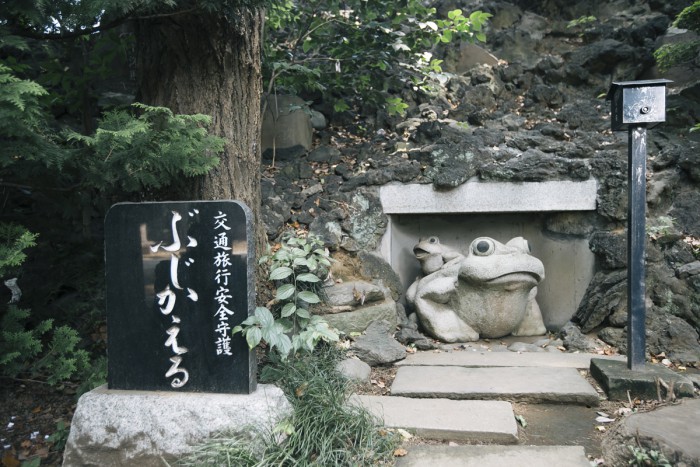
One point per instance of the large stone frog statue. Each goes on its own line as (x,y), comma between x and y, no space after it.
(487,293)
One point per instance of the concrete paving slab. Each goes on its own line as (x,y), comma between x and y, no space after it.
(494,456)
(454,420)
(468,358)
(616,379)
(522,384)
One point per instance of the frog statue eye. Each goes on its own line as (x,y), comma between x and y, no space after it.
(483,246)
(434,240)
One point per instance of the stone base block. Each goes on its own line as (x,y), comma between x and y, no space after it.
(616,379)
(144,428)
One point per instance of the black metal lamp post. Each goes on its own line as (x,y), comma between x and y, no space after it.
(636,106)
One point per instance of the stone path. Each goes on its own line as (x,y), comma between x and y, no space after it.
(466,396)
(522,384)
(486,421)
(495,456)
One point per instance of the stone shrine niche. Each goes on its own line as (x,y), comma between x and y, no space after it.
(178,279)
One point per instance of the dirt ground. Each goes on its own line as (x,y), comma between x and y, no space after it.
(34,422)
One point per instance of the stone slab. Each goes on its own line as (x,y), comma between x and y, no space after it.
(494,456)
(473,421)
(476,196)
(469,358)
(616,379)
(522,384)
(118,427)
(672,429)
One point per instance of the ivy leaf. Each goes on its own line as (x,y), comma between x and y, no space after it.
(285,292)
(253,337)
(288,309)
(308,277)
(264,316)
(280,273)
(309,297)
(303,313)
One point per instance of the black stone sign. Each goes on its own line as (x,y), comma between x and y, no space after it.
(179,278)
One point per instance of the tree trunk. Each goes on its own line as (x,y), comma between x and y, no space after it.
(209,63)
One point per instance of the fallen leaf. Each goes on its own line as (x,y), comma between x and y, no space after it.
(623,411)
(36,409)
(400,452)
(562,348)
(404,434)
(26,444)
(600,428)
(666,362)
(602,414)
(381,384)
(410,349)
(9,460)
(681,368)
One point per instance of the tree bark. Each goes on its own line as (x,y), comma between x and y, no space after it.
(209,63)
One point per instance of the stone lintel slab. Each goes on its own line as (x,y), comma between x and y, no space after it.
(494,456)
(475,196)
(521,384)
(468,420)
(468,358)
(616,379)
(118,427)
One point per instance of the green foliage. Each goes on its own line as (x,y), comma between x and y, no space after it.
(59,437)
(23,352)
(296,268)
(647,457)
(358,51)
(324,429)
(22,121)
(660,227)
(14,239)
(396,106)
(685,52)
(149,150)
(581,21)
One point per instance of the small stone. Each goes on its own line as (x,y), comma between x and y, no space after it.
(524,347)
(354,369)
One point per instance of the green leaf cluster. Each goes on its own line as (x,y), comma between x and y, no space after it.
(683,52)
(297,269)
(149,149)
(358,52)
(14,239)
(23,351)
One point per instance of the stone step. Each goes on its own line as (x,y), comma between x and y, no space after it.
(468,420)
(521,384)
(494,456)
(470,358)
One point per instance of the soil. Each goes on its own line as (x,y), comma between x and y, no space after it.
(34,422)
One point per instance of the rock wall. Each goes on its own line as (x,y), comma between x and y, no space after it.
(535,113)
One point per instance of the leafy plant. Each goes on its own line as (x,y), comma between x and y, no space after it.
(683,52)
(14,239)
(59,437)
(23,352)
(357,52)
(642,456)
(297,268)
(581,21)
(324,428)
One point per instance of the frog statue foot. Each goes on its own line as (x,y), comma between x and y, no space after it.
(487,293)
